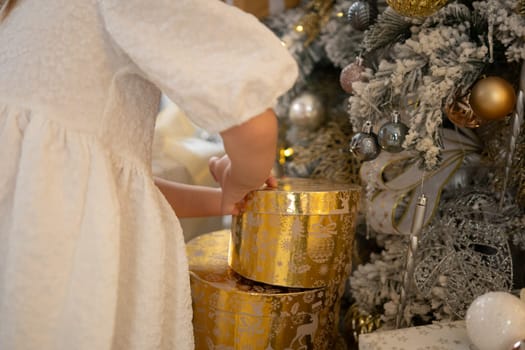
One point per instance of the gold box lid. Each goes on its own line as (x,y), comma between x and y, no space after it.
(297,235)
(298,196)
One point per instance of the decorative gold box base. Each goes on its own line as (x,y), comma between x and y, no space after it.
(231,312)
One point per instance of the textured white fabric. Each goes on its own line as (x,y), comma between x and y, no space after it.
(91,255)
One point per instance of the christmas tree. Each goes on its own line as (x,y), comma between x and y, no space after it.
(413,99)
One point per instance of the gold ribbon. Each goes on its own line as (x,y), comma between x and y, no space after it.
(382,207)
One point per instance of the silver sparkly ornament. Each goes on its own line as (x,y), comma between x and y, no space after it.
(392,135)
(306,111)
(350,74)
(465,252)
(364,143)
(362,14)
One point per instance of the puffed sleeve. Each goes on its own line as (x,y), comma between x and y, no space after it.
(220,65)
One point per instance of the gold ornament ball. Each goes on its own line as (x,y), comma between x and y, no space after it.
(416,8)
(492,98)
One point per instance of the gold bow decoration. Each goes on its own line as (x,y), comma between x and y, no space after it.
(391,200)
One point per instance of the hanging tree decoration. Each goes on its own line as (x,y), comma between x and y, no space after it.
(364,143)
(465,252)
(518,174)
(362,14)
(391,135)
(356,323)
(413,67)
(459,112)
(306,111)
(492,98)
(418,220)
(496,321)
(389,209)
(351,74)
(516,123)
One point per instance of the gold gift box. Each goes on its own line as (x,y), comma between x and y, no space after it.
(298,235)
(231,312)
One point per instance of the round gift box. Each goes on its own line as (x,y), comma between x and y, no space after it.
(231,312)
(298,235)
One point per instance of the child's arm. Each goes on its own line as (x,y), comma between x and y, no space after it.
(191,200)
(250,155)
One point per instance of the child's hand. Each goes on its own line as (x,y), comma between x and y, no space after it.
(233,192)
(250,149)
(220,169)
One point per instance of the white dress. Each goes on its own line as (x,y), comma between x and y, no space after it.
(91,255)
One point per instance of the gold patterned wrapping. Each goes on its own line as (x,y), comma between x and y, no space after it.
(230,312)
(299,234)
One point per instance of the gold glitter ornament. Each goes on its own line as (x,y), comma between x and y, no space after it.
(492,98)
(357,323)
(416,8)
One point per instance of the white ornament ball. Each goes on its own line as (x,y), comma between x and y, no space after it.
(496,321)
(306,111)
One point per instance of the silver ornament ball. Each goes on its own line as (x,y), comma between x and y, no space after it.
(361,15)
(364,146)
(306,111)
(391,136)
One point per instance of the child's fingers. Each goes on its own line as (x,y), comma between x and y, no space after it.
(212,165)
(217,165)
(271,181)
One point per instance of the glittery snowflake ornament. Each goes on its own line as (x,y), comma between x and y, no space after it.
(465,252)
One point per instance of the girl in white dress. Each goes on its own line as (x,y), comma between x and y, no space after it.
(91,253)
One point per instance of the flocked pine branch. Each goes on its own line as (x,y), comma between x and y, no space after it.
(340,40)
(429,68)
(337,42)
(390,28)
(509,25)
(375,287)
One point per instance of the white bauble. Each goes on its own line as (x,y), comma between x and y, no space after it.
(496,321)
